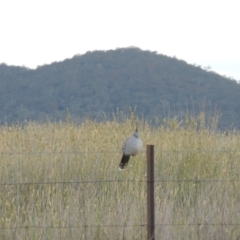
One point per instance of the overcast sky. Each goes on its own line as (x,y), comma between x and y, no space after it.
(205,32)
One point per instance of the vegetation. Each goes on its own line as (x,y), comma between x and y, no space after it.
(61,180)
(99,81)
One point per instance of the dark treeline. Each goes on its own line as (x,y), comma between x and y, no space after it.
(102,81)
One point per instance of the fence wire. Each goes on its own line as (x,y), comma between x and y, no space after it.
(187,201)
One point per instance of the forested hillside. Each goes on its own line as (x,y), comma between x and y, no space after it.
(102,81)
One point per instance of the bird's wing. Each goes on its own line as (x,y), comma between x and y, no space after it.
(125,145)
(132,146)
(136,146)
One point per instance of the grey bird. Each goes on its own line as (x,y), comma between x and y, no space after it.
(131,147)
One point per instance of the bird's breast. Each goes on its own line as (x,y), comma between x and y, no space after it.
(132,146)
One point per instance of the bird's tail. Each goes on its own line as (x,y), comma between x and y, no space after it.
(124,162)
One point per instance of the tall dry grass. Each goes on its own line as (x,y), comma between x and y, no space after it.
(54,181)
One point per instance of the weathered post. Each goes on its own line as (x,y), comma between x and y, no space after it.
(150,193)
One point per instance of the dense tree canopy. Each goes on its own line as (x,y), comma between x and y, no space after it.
(102,81)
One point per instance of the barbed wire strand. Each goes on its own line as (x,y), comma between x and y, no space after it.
(119,152)
(120,226)
(119,181)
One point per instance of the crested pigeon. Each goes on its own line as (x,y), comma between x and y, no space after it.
(131,146)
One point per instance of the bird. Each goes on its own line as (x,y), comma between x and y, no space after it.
(131,147)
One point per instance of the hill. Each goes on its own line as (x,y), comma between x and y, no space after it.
(102,81)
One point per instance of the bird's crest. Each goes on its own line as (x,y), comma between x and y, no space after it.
(136,133)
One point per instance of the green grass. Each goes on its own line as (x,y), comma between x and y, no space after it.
(64,169)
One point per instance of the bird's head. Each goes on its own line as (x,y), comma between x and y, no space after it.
(136,133)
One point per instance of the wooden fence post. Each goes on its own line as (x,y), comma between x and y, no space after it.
(150,193)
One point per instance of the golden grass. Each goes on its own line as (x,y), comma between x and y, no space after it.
(194,198)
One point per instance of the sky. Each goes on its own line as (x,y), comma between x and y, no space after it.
(205,33)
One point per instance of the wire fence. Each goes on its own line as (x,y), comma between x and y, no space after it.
(83,195)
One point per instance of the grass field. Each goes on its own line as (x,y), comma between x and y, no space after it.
(61,181)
